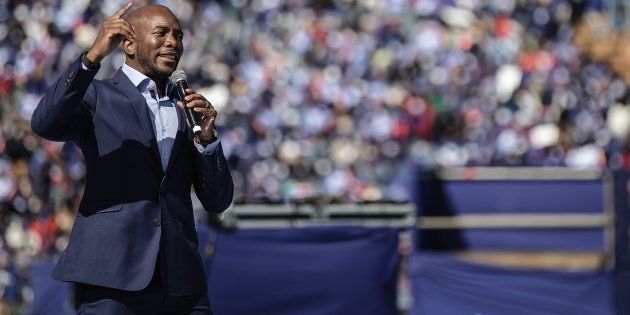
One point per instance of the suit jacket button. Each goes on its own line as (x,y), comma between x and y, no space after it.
(157,222)
(162,189)
(69,78)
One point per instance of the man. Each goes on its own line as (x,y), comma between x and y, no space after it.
(133,247)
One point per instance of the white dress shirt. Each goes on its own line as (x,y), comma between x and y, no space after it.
(164,114)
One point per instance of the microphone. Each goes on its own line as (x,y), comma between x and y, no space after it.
(181,84)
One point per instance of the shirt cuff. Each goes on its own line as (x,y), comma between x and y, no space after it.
(84,67)
(209,149)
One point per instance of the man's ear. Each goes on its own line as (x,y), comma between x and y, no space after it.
(129,47)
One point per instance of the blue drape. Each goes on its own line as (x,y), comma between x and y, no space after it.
(445,285)
(333,270)
(50,296)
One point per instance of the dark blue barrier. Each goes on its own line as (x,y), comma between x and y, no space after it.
(525,196)
(622,241)
(49,296)
(340,270)
(444,285)
(587,194)
(578,240)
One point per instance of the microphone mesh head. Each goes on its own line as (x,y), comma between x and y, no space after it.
(178,75)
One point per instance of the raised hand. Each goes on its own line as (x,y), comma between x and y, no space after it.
(112,32)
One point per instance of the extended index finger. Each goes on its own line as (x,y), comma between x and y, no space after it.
(122,11)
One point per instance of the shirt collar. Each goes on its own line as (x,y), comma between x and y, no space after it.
(141,81)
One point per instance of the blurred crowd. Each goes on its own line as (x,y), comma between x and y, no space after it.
(338,98)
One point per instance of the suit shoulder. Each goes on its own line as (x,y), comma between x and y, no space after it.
(102,82)
(97,87)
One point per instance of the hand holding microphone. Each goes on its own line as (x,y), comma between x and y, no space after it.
(200,114)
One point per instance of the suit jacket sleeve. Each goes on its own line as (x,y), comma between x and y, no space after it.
(65,112)
(213,180)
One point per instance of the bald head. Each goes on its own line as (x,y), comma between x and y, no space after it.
(158,45)
(146,13)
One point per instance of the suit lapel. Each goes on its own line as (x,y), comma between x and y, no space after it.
(179,137)
(142,110)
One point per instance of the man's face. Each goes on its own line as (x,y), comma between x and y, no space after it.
(159,44)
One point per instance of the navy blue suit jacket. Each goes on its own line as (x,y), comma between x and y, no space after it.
(131,209)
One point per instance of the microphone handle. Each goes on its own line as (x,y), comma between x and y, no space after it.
(181,87)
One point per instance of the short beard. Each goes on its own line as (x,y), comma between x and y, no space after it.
(151,68)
